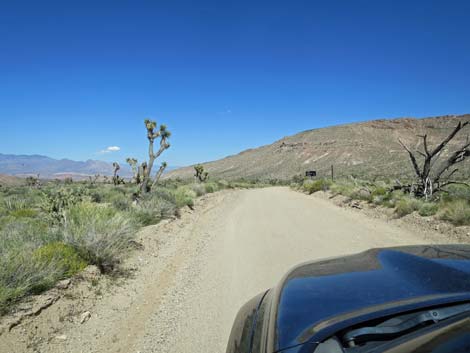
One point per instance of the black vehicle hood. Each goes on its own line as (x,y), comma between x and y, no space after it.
(315,300)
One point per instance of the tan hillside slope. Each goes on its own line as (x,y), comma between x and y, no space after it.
(366,149)
(9,180)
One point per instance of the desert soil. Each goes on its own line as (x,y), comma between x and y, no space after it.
(184,287)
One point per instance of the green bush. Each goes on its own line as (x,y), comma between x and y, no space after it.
(456,212)
(152,209)
(24,213)
(21,274)
(31,233)
(311,186)
(184,196)
(99,234)
(223,184)
(199,189)
(62,255)
(428,209)
(211,187)
(361,194)
(379,191)
(456,192)
(14,203)
(121,202)
(406,206)
(343,187)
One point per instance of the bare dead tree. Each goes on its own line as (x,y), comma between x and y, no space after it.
(429,178)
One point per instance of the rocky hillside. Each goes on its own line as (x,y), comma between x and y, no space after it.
(367,149)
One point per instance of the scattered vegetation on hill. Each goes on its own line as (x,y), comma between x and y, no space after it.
(451,204)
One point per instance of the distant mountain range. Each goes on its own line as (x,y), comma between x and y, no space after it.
(50,168)
(368,149)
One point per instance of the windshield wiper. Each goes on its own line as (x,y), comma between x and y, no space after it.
(402,324)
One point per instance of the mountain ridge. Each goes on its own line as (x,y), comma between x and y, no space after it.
(31,165)
(367,148)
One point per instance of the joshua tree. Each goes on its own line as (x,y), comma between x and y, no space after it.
(159,174)
(135,169)
(200,175)
(429,178)
(116,167)
(93,179)
(152,134)
(33,181)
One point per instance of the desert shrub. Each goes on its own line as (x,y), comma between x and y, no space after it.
(383,200)
(343,187)
(96,196)
(152,209)
(145,217)
(62,255)
(407,205)
(211,187)
(428,209)
(99,234)
(360,193)
(456,212)
(184,196)
(24,213)
(21,274)
(121,202)
(298,179)
(311,186)
(456,192)
(26,233)
(56,201)
(222,184)
(199,189)
(390,199)
(379,191)
(165,194)
(14,203)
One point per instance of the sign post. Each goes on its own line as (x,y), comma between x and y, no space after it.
(310,173)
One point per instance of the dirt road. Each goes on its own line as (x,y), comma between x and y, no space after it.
(195,273)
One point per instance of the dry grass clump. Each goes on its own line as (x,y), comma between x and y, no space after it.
(99,234)
(456,212)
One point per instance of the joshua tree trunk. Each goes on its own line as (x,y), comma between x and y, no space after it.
(115,175)
(135,169)
(429,179)
(159,174)
(163,134)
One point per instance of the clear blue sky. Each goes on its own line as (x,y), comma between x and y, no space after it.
(79,76)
